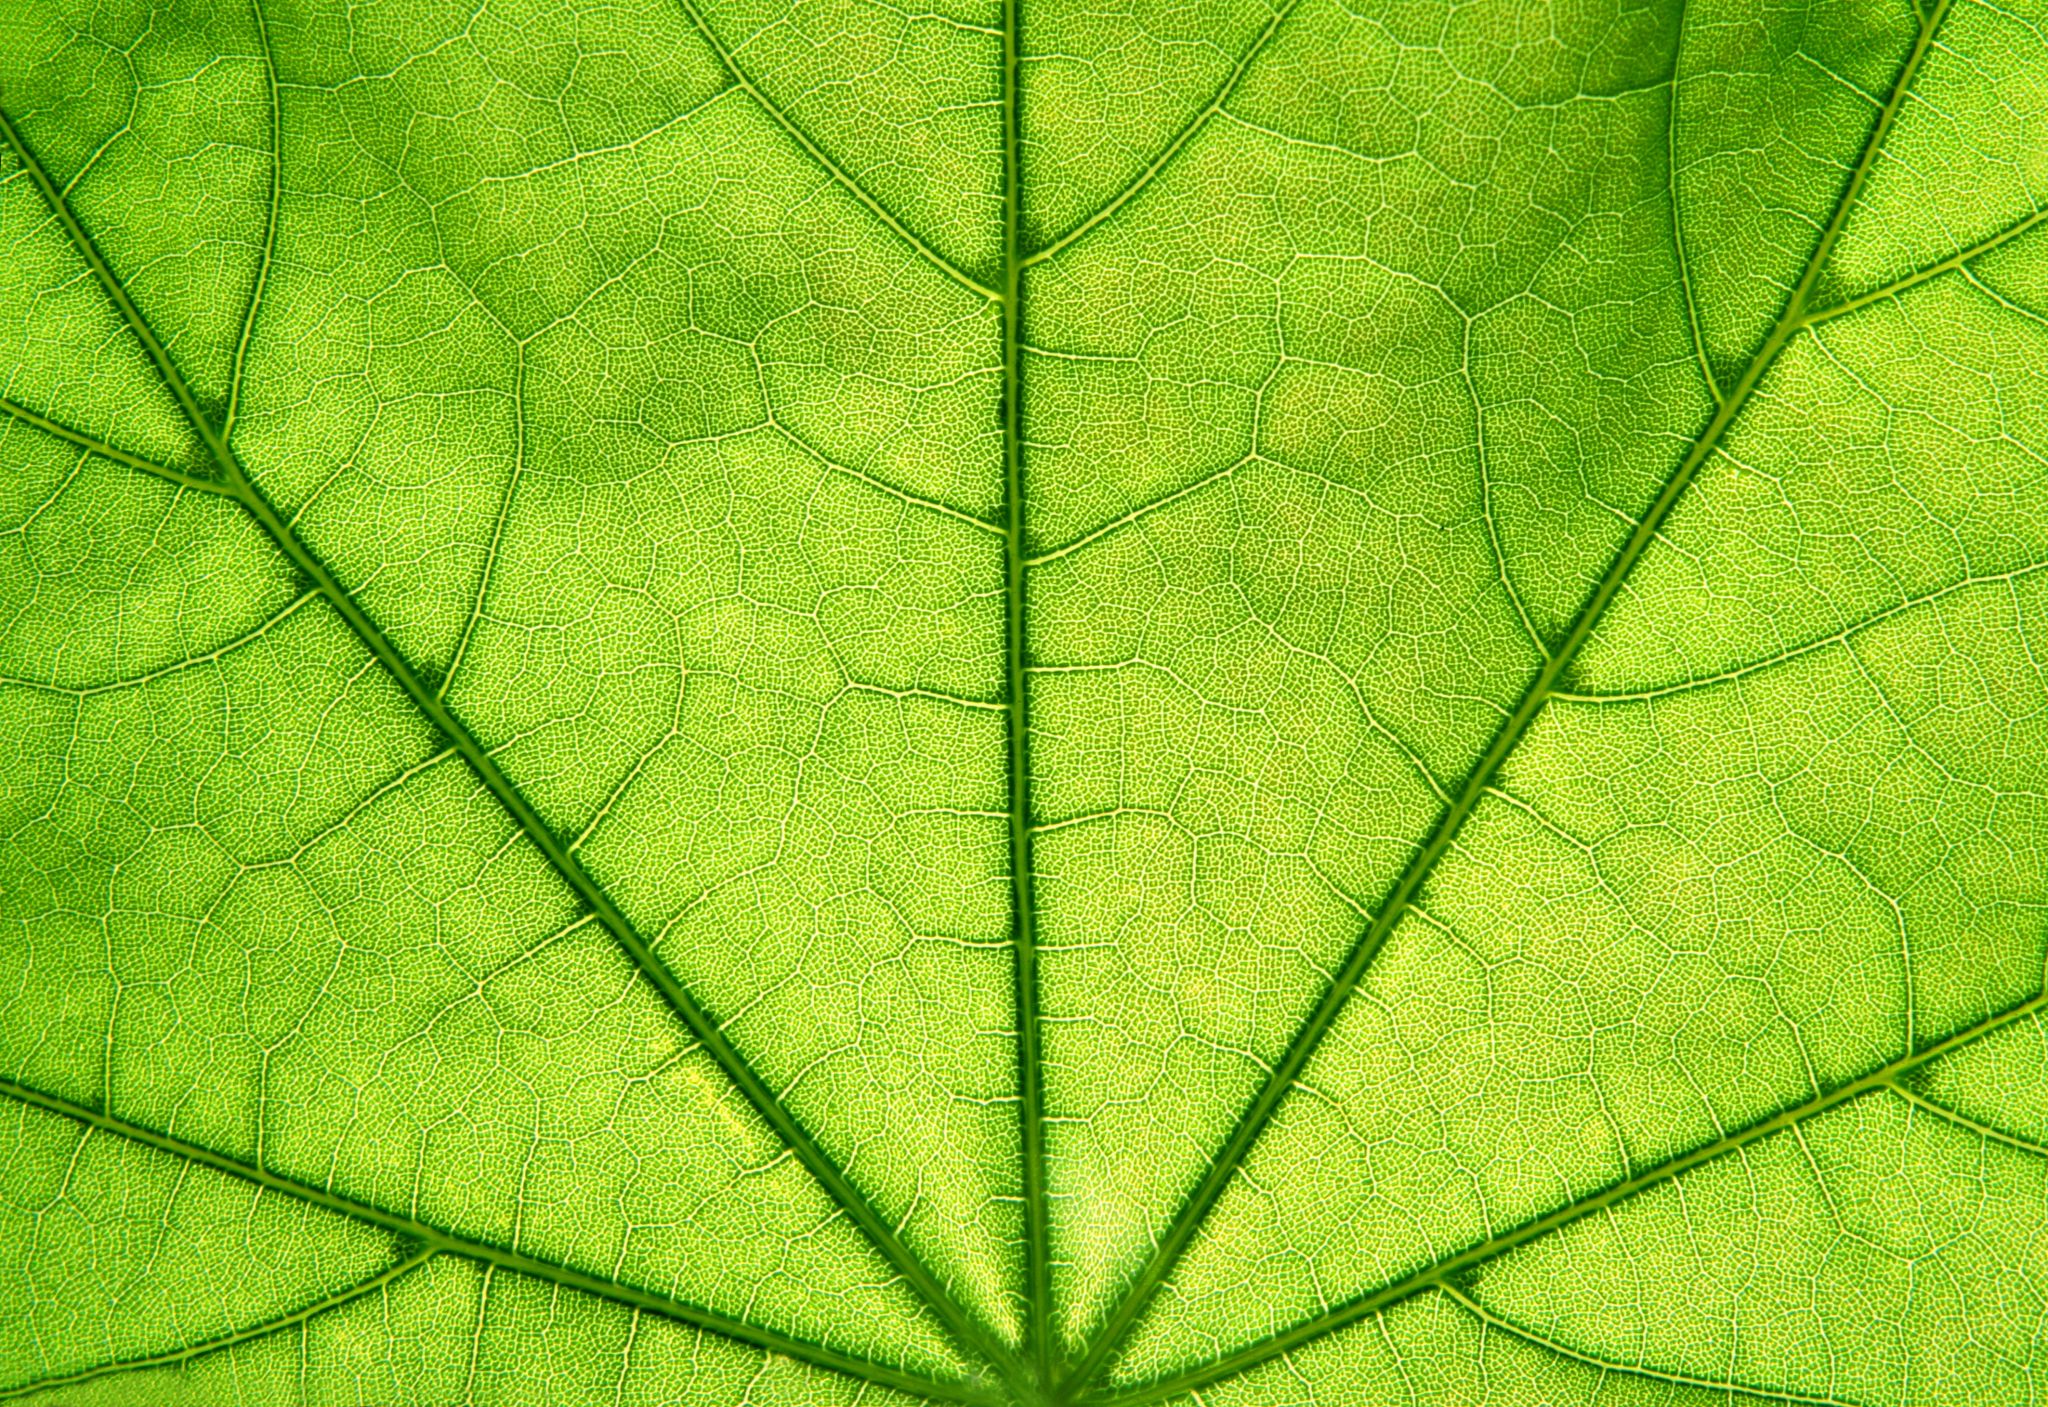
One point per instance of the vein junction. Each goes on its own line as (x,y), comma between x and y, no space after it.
(1039,1372)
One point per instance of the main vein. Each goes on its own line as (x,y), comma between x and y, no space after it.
(1038,1332)
(1450,1270)
(963,1327)
(425,1237)
(1188,1219)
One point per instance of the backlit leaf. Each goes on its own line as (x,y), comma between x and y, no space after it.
(1023,704)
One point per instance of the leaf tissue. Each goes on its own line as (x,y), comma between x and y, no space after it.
(1020,703)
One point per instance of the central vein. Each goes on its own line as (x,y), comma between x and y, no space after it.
(1016,658)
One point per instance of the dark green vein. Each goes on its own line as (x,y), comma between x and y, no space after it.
(824,159)
(268,1327)
(1188,1219)
(1038,1331)
(275,195)
(431,1239)
(1958,260)
(1551,1346)
(1692,307)
(131,316)
(1173,148)
(969,1333)
(107,451)
(1448,1271)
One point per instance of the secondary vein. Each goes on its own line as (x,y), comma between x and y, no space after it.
(1551,1346)
(1194,1211)
(1447,1271)
(95,445)
(1174,147)
(428,1238)
(966,1331)
(839,175)
(397,1271)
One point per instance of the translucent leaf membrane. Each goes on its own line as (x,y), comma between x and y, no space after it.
(250,904)
(1878,1246)
(1719,884)
(1769,107)
(156,122)
(1303,506)
(451,1331)
(1107,90)
(1435,1351)
(68,356)
(907,101)
(121,1252)
(1995,1084)
(1966,165)
(714,702)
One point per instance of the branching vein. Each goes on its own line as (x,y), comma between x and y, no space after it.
(1450,1270)
(1287,1072)
(824,159)
(429,1240)
(380,1281)
(709,1032)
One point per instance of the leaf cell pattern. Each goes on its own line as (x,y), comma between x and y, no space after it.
(1018,703)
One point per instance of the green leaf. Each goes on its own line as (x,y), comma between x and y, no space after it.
(1023,704)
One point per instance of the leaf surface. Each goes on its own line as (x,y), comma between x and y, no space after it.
(1023,704)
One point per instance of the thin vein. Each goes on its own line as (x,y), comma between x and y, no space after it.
(1173,148)
(1141,511)
(1692,309)
(159,357)
(831,167)
(226,1341)
(902,495)
(136,681)
(1535,1340)
(483,585)
(962,1326)
(1840,637)
(860,686)
(227,421)
(1447,1271)
(1187,1221)
(430,1239)
(1484,460)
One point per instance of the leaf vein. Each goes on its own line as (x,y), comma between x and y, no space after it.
(136,681)
(100,447)
(708,1031)
(1963,1121)
(433,1239)
(839,174)
(1536,1340)
(1024,946)
(1252,1122)
(1174,147)
(1840,637)
(379,1281)
(275,193)
(1446,1271)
